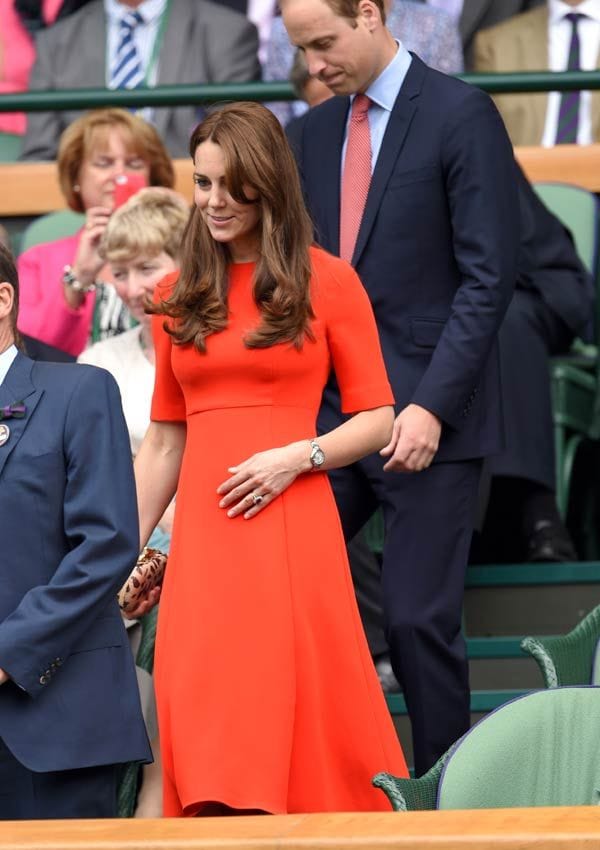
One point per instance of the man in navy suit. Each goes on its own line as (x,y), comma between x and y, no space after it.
(436,249)
(69,705)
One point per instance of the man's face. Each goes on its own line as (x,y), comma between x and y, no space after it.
(342,53)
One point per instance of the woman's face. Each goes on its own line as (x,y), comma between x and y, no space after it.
(107,159)
(135,280)
(228,221)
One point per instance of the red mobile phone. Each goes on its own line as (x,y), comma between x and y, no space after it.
(127,185)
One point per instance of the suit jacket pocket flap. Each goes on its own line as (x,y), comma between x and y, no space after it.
(426,332)
(105,632)
(414,175)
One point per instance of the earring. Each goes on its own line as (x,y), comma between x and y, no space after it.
(76,187)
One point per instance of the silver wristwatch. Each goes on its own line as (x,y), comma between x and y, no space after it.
(317,455)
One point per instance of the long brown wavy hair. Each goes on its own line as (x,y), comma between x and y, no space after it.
(257,157)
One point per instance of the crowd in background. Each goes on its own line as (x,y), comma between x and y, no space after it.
(83,295)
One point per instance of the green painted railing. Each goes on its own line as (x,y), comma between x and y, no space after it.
(481,701)
(186,95)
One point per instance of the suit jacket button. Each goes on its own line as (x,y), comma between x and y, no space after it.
(43,680)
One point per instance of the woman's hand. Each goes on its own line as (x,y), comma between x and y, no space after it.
(88,261)
(143,606)
(261,478)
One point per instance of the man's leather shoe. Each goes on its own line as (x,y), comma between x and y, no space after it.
(550,542)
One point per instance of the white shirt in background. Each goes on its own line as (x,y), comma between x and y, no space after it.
(261,13)
(123,357)
(6,359)
(559,41)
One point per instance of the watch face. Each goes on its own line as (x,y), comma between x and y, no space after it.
(317,457)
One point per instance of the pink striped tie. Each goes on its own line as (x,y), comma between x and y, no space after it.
(356,175)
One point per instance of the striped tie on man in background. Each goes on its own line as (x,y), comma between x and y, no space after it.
(126,71)
(568,113)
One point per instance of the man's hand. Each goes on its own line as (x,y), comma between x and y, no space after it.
(4,677)
(415,440)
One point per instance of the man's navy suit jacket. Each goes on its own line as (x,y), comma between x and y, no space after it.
(437,247)
(69,537)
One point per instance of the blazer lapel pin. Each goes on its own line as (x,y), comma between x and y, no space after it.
(16,410)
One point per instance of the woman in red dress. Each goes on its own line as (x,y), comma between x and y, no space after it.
(267,697)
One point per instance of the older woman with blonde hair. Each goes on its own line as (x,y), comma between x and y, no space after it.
(141,244)
(67,299)
(268,700)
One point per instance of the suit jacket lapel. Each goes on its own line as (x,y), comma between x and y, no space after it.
(17,386)
(330,172)
(95,49)
(174,46)
(470,15)
(533,48)
(393,140)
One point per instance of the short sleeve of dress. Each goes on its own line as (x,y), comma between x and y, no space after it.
(168,402)
(352,336)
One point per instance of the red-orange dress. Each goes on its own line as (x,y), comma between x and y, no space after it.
(267,695)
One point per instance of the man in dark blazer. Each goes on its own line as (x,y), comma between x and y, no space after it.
(552,304)
(201,43)
(436,251)
(69,705)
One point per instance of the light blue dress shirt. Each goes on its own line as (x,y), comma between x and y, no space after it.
(383,92)
(6,359)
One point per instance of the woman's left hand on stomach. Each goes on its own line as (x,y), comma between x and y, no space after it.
(255,482)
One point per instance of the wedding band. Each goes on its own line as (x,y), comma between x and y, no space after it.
(257,498)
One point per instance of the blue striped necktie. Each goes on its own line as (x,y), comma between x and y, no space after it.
(568,111)
(126,71)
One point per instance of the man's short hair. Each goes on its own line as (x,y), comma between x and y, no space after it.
(349,8)
(8,274)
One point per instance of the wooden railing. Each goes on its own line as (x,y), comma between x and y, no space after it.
(493,829)
(29,189)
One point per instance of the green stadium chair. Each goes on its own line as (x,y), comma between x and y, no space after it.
(54,225)
(575,379)
(10,147)
(570,659)
(542,749)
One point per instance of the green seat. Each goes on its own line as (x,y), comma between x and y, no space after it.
(128,786)
(575,379)
(569,659)
(54,225)
(542,749)
(10,147)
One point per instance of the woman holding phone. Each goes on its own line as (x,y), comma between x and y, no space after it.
(67,296)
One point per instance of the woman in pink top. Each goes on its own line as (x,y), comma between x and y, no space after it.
(17,53)
(63,296)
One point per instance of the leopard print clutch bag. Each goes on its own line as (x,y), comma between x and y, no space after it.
(147,574)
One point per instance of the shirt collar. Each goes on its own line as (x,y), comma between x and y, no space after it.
(557,10)
(150,10)
(6,360)
(384,90)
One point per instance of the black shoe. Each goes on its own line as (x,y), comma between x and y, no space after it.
(389,683)
(550,542)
